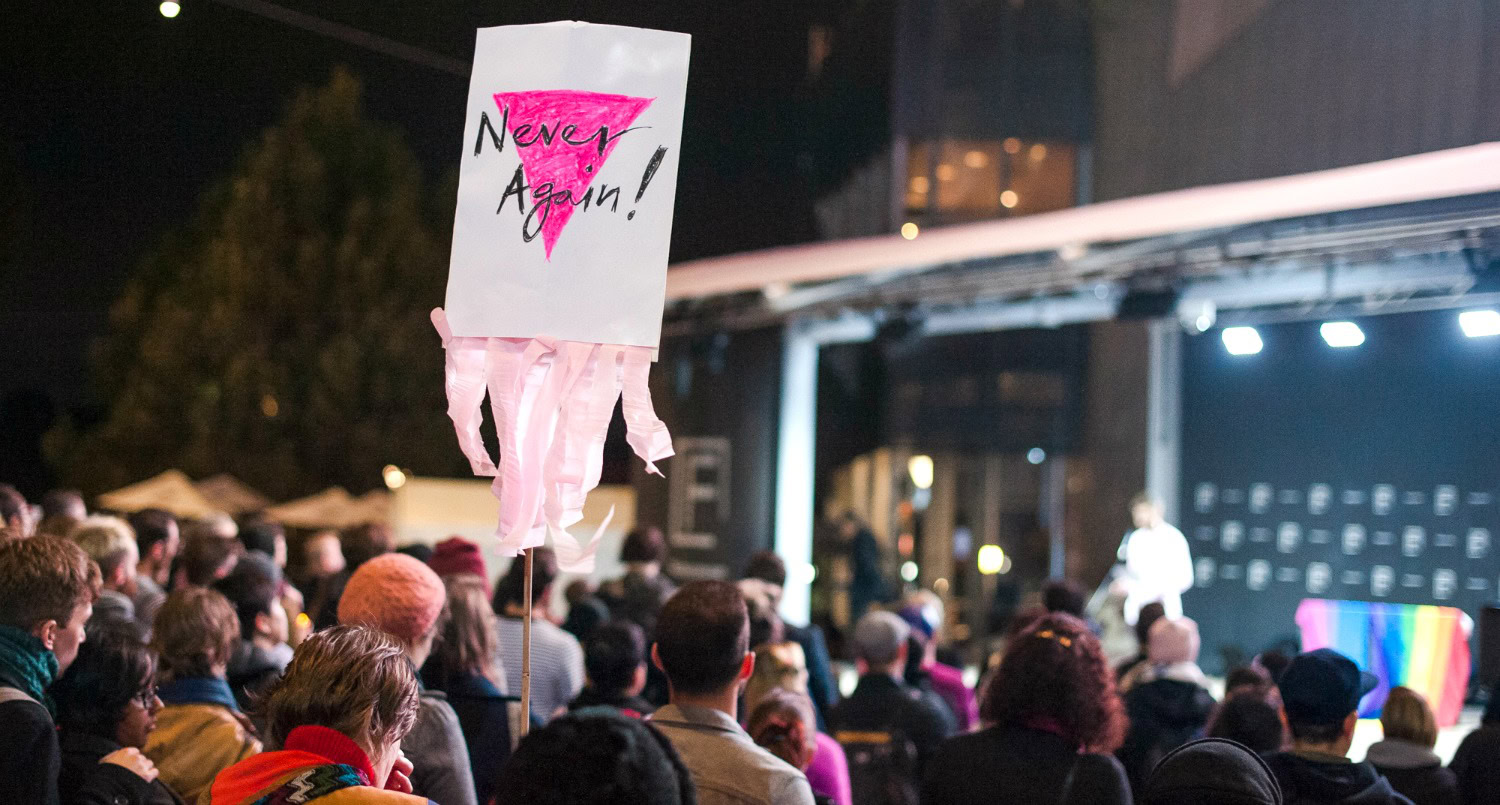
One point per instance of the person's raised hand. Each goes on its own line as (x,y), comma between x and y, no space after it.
(131,759)
(400,779)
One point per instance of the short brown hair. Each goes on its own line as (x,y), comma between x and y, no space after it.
(42,579)
(194,631)
(352,679)
(644,544)
(702,636)
(205,555)
(366,541)
(1407,717)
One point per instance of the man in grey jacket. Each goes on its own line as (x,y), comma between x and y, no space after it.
(702,645)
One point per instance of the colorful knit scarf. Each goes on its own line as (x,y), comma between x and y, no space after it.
(27,665)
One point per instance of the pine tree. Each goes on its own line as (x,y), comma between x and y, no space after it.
(283,335)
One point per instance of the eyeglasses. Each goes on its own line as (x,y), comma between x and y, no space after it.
(147,697)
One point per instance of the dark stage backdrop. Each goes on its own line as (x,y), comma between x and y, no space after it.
(1370,473)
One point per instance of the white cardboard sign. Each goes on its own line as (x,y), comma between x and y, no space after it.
(567,183)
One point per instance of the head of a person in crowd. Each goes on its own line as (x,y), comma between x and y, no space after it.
(782,666)
(1025,618)
(1146,511)
(110,542)
(205,558)
(157,541)
(879,643)
(1211,771)
(354,680)
(366,541)
(266,536)
(1320,694)
(399,596)
(783,724)
(923,612)
(467,642)
(1063,595)
(703,643)
(1250,716)
(1406,716)
(595,755)
(1148,616)
(761,600)
(64,503)
(15,512)
(1245,677)
(194,633)
(58,525)
(420,551)
(323,555)
(456,555)
(578,591)
(643,550)
(110,689)
(218,525)
(1054,677)
(1173,641)
(254,588)
(510,590)
(47,590)
(1274,663)
(768,567)
(615,659)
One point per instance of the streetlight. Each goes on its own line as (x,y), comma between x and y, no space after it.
(170,8)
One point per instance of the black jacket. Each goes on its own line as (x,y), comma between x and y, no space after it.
(1164,714)
(880,703)
(1476,766)
(631,705)
(86,781)
(484,716)
(29,756)
(1415,772)
(1310,782)
(1020,766)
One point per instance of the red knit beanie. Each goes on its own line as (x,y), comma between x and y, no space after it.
(395,594)
(456,555)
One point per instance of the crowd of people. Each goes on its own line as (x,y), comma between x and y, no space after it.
(147,661)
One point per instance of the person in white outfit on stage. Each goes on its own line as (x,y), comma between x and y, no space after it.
(1158,564)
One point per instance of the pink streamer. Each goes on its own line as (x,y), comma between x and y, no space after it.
(552,402)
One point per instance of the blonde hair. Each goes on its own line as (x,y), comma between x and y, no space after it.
(109,541)
(778,666)
(354,680)
(467,642)
(1407,717)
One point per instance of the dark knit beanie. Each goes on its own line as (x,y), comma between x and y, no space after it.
(1212,771)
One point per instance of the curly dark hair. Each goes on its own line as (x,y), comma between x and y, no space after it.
(1054,674)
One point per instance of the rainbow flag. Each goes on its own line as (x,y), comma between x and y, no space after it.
(1425,648)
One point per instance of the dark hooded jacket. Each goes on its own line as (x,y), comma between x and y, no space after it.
(1415,771)
(1308,781)
(1164,714)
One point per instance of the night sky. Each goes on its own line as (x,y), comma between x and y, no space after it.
(116,119)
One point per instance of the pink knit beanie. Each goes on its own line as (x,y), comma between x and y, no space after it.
(395,594)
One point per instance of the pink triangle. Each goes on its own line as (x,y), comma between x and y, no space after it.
(593,121)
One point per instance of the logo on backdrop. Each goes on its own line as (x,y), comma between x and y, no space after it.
(1413,540)
(1318,498)
(1204,498)
(1319,576)
(1260,498)
(1444,584)
(1288,537)
(1477,546)
(1383,499)
(1382,579)
(1258,574)
(1444,500)
(1354,538)
(1231,535)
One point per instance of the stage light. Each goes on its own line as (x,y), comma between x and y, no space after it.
(909,571)
(991,559)
(169,8)
(1009,199)
(920,469)
(803,572)
(394,477)
(1480,323)
(1242,340)
(1036,455)
(1342,334)
(910,230)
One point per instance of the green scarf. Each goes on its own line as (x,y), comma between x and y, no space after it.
(27,665)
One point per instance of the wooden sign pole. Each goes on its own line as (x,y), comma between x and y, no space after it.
(526,647)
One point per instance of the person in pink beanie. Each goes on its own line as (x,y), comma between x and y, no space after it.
(456,555)
(404,598)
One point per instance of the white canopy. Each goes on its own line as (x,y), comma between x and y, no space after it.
(172,490)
